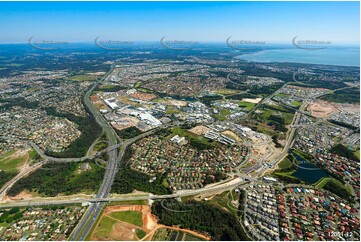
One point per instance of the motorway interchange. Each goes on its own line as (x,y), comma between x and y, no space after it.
(102,197)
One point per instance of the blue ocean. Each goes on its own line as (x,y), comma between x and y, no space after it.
(340,56)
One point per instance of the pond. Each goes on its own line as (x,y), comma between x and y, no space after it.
(308,172)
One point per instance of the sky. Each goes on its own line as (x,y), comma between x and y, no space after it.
(338,22)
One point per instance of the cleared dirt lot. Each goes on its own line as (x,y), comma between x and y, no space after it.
(252,100)
(199,130)
(173,102)
(110,227)
(322,109)
(143,96)
(232,135)
(149,220)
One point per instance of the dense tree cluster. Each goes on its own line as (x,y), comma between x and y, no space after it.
(208,99)
(280,108)
(112,88)
(54,179)
(322,84)
(275,140)
(218,176)
(338,188)
(90,131)
(240,96)
(6,176)
(9,216)
(128,133)
(278,122)
(341,150)
(349,126)
(127,180)
(344,96)
(21,102)
(198,216)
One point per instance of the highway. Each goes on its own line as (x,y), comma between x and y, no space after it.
(93,211)
(219,187)
(102,197)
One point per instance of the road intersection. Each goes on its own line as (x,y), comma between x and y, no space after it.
(97,203)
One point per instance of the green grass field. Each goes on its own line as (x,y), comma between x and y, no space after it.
(135,202)
(33,154)
(266,113)
(246,105)
(82,78)
(322,182)
(140,233)
(104,228)
(288,117)
(172,110)
(263,128)
(224,199)
(282,95)
(100,146)
(225,91)
(222,115)
(296,104)
(285,164)
(357,153)
(193,137)
(160,235)
(174,235)
(8,163)
(138,84)
(132,217)
(335,186)
(142,89)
